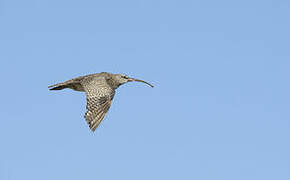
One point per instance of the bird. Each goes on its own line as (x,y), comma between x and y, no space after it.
(100,90)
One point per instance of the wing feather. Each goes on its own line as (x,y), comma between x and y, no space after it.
(99,100)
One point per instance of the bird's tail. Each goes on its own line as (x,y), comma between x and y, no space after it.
(58,86)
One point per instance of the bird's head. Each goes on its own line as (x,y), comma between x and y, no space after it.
(122,79)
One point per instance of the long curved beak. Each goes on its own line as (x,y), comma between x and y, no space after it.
(133,79)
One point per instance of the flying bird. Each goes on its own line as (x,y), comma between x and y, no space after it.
(100,90)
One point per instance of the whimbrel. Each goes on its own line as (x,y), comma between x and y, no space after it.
(100,90)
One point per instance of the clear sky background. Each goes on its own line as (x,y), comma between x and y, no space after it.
(219,109)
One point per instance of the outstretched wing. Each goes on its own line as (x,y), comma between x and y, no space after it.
(99,99)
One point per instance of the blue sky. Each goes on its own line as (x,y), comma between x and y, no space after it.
(219,109)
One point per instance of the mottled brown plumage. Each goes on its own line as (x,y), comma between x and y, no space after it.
(100,90)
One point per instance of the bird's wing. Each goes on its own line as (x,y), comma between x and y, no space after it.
(99,99)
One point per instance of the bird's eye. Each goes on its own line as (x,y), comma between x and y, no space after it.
(125,77)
